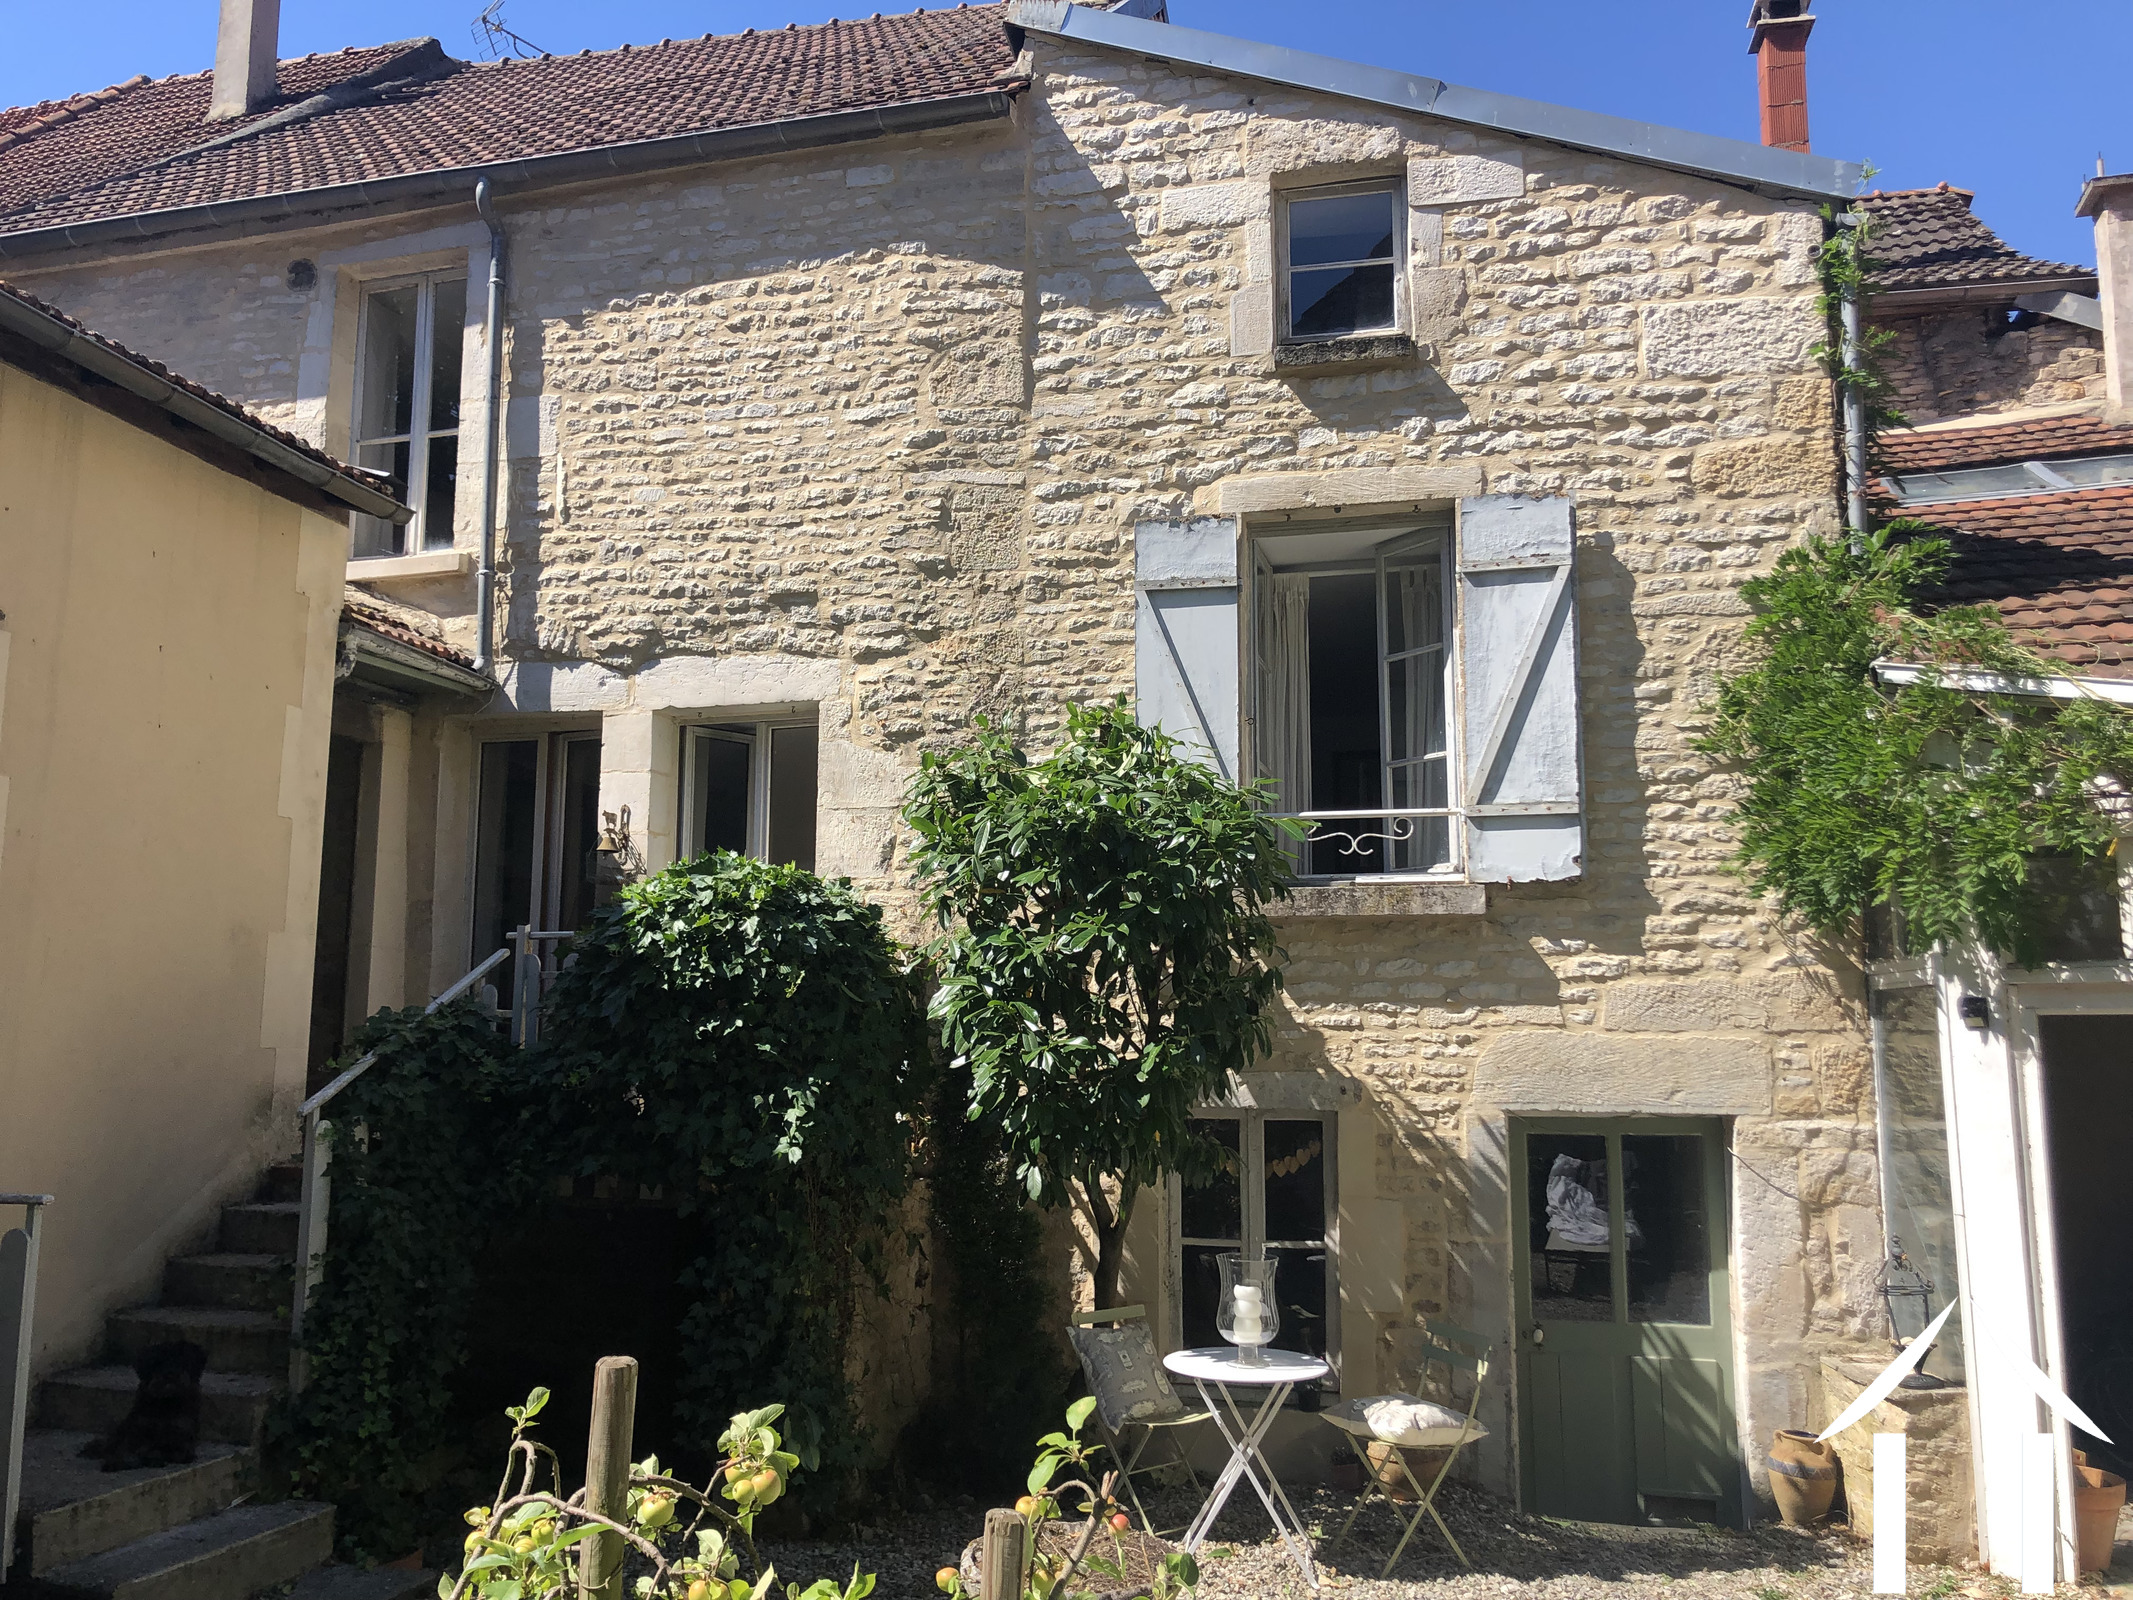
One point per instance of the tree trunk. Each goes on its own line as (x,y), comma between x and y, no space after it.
(1110,1240)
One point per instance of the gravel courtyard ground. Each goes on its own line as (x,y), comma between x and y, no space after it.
(1512,1554)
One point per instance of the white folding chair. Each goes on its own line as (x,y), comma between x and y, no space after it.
(1125,1373)
(1407,1422)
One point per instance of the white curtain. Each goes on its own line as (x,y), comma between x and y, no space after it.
(1283,731)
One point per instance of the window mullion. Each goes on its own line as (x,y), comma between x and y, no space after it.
(418,416)
(1384,686)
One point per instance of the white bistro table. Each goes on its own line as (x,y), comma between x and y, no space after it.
(1282,1371)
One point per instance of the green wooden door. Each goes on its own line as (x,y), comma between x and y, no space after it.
(1625,1376)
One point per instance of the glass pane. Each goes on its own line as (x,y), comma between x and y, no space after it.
(387,378)
(2080,908)
(448,317)
(722,792)
(1347,765)
(1569,1235)
(1300,1291)
(374,536)
(443,490)
(2099,469)
(1295,1181)
(1919,1168)
(792,796)
(581,833)
(1982,483)
(1200,1290)
(1414,601)
(1345,227)
(392,461)
(1668,1228)
(503,844)
(1213,1208)
(1327,301)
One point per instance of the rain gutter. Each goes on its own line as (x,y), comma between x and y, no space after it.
(2112,691)
(1788,173)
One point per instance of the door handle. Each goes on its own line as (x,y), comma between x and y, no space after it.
(1538,1334)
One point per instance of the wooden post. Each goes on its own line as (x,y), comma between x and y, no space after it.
(1002,1556)
(607,1474)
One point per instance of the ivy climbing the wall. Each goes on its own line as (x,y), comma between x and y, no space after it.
(1965,808)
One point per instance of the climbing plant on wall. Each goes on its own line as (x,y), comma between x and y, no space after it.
(1966,808)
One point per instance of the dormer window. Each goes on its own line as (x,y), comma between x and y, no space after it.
(1341,250)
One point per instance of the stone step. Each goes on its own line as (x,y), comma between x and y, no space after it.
(262,1228)
(226,1556)
(283,1181)
(234,1282)
(233,1405)
(72,1508)
(235,1341)
(337,1582)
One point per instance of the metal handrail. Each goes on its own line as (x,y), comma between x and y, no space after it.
(18,1313)
(314,1197)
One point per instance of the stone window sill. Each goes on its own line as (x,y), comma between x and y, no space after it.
(1360,352)
(406,569)
(1381,897)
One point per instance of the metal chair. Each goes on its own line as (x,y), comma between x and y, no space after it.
(1125,1373)
(1407,1422)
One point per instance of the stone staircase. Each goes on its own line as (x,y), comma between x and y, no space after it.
(194,1532)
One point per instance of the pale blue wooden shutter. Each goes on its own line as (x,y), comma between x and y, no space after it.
(1521,766)
(1186,637)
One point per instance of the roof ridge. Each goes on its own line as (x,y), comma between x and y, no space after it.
(1943,187)
(56,112)
(627,48)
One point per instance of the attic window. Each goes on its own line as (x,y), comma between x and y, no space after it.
(1341,251)
(2025,477)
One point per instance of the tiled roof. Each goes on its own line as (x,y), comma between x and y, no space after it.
(1928,239)
(396,110)
(2078,433)
(2058,567)
(360,609)
(229,407)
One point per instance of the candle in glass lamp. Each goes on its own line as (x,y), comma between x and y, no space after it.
(1249,1314)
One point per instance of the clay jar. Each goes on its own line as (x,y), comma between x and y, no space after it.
(1803,1476)
(2098,1495)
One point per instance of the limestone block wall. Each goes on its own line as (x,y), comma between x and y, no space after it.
(1955,363)
(869,428)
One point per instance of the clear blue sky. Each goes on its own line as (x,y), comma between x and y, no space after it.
(1962,90)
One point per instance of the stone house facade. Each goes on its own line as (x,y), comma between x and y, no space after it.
(985,381)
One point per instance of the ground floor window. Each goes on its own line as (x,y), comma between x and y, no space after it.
(1273,1192)
(749,787)
(536,836)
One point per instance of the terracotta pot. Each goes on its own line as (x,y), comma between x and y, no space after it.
(1385,1466)
(2098,1496)
(1347,1475)
(1803,1476)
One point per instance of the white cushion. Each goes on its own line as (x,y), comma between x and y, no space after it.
(1404,1419)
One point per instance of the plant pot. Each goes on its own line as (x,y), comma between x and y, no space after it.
(1385,1466)
(1347,1474)
(2098,1497)
(1803,1476)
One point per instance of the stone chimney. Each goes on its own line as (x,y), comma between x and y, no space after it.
(2110,201)
(1779,45)
(245,58)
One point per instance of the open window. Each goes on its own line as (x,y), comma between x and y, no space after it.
(408,347)
(536,837)
(1275,1192)
(1352,723)
(1341,250)
(749,787)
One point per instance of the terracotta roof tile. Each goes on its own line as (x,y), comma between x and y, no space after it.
(399,109)
(2080,433)
(2058,567)
(358,609)
(198,391)
(1928,239)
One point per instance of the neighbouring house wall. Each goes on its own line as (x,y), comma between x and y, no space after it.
(166,671)
(868,429)
(1965,361)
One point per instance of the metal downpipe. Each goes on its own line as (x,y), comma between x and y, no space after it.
(1854,415)
(492,424)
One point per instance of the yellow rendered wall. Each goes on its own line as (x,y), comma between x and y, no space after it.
(166,677)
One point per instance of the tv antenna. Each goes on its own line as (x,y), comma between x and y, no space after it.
(496,40)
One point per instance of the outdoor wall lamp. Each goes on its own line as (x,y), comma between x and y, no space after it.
(1976,1012)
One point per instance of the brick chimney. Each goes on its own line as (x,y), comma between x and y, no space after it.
(245,58)
(2110,201)
(1779,45)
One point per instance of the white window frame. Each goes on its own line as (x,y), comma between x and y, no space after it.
(1283,322)
(551,766)
(757,738)
(1452,811)
(416,536)
(1251,1147)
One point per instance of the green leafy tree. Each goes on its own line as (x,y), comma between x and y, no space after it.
(1107,963)
(1934,798)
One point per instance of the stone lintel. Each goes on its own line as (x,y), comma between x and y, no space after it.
(1552,1072)
(1342,486)
(1356,353)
